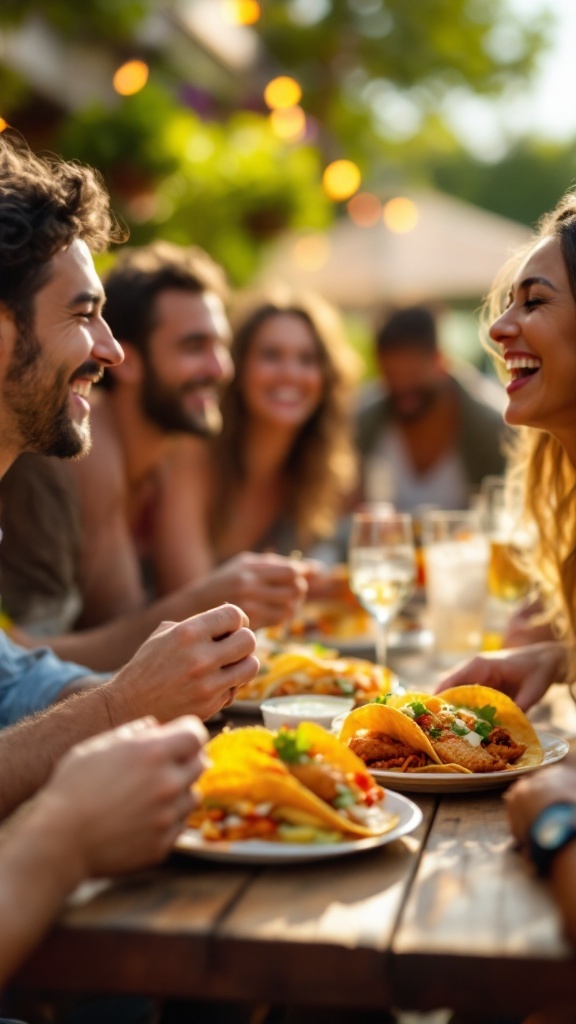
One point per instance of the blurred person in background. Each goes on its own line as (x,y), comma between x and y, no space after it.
(427,440)
(277,476)
(77,534)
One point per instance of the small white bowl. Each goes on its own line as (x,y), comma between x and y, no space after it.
(304,707)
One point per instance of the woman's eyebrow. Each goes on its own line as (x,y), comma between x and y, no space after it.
(536,279)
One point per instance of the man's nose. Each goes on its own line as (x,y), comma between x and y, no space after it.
(106,349)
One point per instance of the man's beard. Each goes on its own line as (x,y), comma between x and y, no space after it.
(412,405)
(43,423)
(164,406)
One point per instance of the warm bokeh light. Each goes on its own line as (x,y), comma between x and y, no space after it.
(289,124)
(3,124)
(364,209)
(131,77)
(311,252)
(341,179)
(401,215)
(242,12)
(282,92)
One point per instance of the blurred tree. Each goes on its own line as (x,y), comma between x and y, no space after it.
(374,76)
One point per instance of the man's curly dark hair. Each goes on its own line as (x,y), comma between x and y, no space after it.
(45,203)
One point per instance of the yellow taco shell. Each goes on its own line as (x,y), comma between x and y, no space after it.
(244,766)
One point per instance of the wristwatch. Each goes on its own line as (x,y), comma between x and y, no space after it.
(550,832)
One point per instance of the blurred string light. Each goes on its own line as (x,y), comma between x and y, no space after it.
(341,179)
(311,252)
(364,209)
(401,215)
(289,123)
(241,12)
(282,92)
(3,124)
(130,77)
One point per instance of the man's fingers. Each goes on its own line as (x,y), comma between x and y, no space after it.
(227,618)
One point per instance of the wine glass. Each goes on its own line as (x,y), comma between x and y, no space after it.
(382,565)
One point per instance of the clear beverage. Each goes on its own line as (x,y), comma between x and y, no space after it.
(456,585)
(382,565)
(382,584)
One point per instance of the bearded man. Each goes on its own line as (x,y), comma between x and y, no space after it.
(427,440)
(77,534)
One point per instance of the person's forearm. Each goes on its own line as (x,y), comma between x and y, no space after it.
(106,648)
(29,750)
(38,870)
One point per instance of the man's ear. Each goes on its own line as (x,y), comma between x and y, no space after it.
(131,370)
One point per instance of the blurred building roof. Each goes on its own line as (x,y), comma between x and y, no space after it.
(453,251)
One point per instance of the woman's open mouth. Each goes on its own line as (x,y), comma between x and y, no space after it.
(520,369)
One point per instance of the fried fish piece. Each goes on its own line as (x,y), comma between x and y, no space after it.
(455,750)
(380,751)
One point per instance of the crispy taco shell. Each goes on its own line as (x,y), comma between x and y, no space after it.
(389,720)
(244,766)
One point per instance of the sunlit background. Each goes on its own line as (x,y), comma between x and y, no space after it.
(376,150)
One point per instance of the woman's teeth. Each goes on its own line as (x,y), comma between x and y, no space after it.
(522,366)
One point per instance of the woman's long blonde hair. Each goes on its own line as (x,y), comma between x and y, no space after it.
(321,467)
(538,461)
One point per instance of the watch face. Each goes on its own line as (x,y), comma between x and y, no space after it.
(553,828)
(552,832)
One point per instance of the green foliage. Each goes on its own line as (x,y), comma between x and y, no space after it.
(528,180)
(190,181)
(87,19)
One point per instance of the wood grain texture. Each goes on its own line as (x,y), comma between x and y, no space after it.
(476,910)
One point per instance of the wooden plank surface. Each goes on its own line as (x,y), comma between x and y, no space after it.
(321,934)
(476,911)
(149,933)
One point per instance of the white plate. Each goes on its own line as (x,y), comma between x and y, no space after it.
(553,746)
(257,851)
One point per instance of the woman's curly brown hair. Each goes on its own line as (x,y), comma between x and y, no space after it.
(321,467)
(45,203)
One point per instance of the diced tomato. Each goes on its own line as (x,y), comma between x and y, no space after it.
(425,721)
(362,781)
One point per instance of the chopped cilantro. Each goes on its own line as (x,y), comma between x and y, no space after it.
(382,698)
(435,733)
(459,730)
(483,729)
(344,799)
(488,713)
(291,746)
(418,708)
(346,685)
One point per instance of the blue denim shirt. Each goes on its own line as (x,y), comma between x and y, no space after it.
(31,680)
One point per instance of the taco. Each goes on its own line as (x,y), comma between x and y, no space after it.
(467,729)
(307,669)
(297,785)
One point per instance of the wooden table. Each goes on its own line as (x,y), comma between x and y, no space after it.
(449,916)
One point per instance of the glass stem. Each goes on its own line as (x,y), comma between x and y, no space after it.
(381,643)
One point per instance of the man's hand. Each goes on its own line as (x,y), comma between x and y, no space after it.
(189,667)
(524,673)
(530,795)
(269,588)
(121,799)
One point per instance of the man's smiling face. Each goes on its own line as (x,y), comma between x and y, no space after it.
(55,361)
